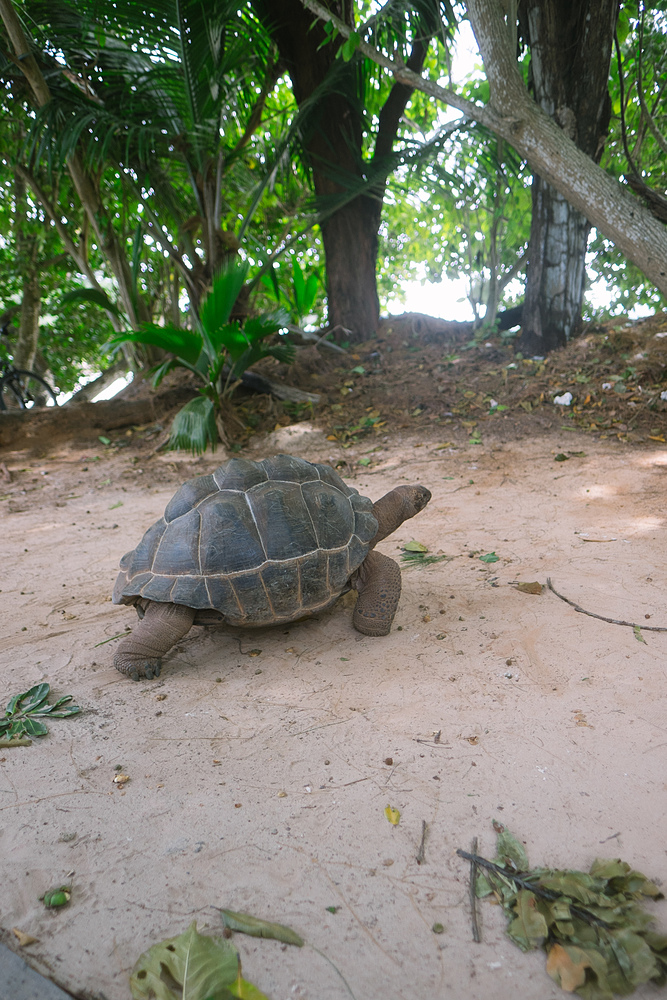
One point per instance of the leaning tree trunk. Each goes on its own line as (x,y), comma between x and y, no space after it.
(570,45)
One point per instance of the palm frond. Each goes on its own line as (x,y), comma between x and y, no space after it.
(193,428)
(185,344)
(92,295)
(217,307)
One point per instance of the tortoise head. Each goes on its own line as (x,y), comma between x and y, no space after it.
(397,506)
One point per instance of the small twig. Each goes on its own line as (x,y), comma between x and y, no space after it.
(421,853)
(525,883)
(334,967)
(476,936)
(612,621)
(613,837)
(126,632)
(15,741)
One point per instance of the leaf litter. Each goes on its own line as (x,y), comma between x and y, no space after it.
(599,939)
(416,554)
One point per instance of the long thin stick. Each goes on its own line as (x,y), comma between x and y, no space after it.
(421,853)
(531,887)
(591,614)
(476,936)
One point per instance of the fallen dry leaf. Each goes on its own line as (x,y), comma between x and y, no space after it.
(393,815)
(530,588)
(23,939)
(563,970)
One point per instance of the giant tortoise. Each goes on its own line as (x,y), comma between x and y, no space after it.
(260,543)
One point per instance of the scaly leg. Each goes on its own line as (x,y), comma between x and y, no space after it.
(379,586)
(139,655)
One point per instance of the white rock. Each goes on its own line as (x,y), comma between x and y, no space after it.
(563,400)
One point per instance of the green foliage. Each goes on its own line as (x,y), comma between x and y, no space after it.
(24,711)
(191,966)
(299,291)
(193,428)
(244,923)
(461,208)
(217,353)
(596,933)
(642,34)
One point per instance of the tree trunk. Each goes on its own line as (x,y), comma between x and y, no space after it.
(556,271)
(514,115)
(333,141)
(88,392)
(351,247)
(333,138)
(570,44)
(31,302)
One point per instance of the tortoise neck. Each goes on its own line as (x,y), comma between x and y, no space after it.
(391,510)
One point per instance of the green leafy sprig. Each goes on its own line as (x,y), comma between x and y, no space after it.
(23,713)
(416,554)
(596,933)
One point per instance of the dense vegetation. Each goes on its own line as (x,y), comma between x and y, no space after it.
(143,148)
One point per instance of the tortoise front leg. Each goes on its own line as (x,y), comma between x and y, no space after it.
(379,586)
(139,655)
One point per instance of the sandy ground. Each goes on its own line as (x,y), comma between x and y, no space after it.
(258,780)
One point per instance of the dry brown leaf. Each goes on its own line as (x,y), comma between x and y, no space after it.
(563,970)
(530,588)
(23,939)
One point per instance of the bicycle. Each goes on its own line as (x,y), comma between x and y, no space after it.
(21,389)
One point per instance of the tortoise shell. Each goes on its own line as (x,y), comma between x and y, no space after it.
(258,542)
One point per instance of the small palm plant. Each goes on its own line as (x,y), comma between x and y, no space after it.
(218,352)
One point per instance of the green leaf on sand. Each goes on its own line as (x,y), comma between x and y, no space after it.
(510,852)
(246,924)
(490,557)
(191,966)
(415,547)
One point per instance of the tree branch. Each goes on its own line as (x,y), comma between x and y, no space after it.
(514,115)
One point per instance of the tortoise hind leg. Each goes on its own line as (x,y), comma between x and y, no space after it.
(139,655)
(379,586)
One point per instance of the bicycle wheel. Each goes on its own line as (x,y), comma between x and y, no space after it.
(23,390)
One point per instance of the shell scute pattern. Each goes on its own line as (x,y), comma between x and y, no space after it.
(259,542)
(239,474)
(283,587)
(229,541)
(191,493)
(177,553)
(283,519)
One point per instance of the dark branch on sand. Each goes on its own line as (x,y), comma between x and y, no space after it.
(602,618)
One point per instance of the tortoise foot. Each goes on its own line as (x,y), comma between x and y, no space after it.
(371,624)
(138,668)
